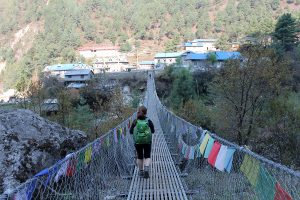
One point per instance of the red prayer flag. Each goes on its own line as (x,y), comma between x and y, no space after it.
(214,153)
(281,194)
(71,167)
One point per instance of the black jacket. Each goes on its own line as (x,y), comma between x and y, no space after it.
(150,123)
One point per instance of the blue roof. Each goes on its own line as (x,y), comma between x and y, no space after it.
(190,44)
(221,55)
(196,56)
(225,55)
(168,55)
(146,63)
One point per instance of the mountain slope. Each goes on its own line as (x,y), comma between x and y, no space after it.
(62,26)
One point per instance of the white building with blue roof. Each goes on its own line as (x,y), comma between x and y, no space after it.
(200,45)
(59,70)
(163,59)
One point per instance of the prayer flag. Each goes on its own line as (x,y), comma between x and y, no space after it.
(250,167)
(229,159)
(265,187)
(96,148)
(209,146)
(71,167)
(88,154)
(62,170)
(220,161)
(107,142)
(204,143)
(281,194)
(116,135)
(187,153)
(80,160)
(192,153)
(214,153)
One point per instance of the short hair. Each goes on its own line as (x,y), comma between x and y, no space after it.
(143,109)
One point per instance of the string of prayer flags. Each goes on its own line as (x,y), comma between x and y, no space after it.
(229,159)
(265,187)
(281,194)
(250,167)
(214,153)
(209,146)
(204,143)
(220,161)
(88,154)
(80,160)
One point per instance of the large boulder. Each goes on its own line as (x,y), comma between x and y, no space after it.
(30,143)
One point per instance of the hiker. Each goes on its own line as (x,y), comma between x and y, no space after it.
(142,129)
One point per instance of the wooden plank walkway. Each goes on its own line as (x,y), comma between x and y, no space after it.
(164,182)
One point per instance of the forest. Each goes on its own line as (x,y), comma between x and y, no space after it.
(65,25)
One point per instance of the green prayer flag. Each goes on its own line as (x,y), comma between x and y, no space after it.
(107,142)
(265,187)
(80,160)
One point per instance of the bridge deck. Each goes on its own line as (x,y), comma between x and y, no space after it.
(164,182)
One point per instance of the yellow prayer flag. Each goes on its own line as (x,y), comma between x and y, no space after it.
(88,154)
(250,167)
(204,143)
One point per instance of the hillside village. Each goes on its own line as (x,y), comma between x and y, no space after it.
(195,55)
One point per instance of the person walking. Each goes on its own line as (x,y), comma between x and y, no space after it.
(142,129)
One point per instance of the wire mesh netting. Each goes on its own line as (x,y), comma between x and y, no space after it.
(213,168)
(100,170)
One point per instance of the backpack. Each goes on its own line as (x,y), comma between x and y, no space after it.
(142,133)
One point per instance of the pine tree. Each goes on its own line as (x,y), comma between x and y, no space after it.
(286,31)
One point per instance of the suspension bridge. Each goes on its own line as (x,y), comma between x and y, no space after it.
(187,163)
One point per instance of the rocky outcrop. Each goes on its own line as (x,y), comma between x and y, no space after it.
(30,143)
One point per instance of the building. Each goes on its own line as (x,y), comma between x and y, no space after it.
(59,70)
(98,51)
(146,65)
(163,59)
(202,61)
(200,45)
(78,76)
(111,64)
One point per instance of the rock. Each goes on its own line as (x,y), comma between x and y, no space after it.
(30,143)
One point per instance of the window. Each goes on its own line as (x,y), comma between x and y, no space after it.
(81,76)
(69,76)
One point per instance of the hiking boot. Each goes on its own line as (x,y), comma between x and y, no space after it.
(146,174)
(141,173)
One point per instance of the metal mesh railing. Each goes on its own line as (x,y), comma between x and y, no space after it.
(100,170)
(246,176)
